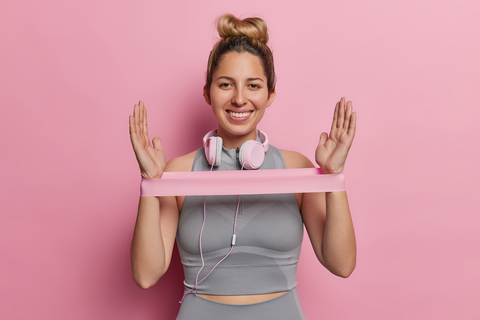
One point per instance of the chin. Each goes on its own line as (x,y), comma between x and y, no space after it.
(237,130)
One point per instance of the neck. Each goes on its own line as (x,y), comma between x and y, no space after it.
(231,141)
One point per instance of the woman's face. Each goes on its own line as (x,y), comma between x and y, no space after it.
(239,95)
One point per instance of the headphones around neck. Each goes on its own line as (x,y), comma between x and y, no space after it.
(252,152)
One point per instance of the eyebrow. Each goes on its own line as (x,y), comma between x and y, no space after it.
(231,79)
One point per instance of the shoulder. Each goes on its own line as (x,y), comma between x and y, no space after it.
(295,160)
(182,163)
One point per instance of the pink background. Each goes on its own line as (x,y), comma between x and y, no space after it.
(71,72)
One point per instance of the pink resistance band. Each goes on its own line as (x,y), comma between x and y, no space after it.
(199,183)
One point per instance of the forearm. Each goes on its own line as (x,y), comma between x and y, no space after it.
(339,245)
(147,252)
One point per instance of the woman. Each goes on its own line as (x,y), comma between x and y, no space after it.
(256,279)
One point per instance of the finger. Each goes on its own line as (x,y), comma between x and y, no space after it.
(131,124)
(157,143)
(341,113)
(133,132)
(141,117)
(347,115)
(136,115)
(145,128)
(323,139)
(353,125)
(142,125)
(334,121)
(131,127)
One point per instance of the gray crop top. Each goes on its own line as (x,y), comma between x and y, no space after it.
(269,235)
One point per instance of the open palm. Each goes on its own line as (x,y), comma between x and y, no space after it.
(333,149)
(151,159)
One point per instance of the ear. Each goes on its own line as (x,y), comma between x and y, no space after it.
(206,94)
(271,97)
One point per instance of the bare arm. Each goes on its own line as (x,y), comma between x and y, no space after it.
(153,239)
(330,229)
(328,222)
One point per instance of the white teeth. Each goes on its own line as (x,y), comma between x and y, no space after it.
(239,115)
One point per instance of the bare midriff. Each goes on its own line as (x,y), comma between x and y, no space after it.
(242,299)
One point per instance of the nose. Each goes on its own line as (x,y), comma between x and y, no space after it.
(239,97)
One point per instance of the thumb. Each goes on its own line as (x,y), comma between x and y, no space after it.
(157,143)
(323,139)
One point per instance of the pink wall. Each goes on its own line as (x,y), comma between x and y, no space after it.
(71,72)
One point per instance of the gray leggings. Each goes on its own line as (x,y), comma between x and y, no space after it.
(285,307)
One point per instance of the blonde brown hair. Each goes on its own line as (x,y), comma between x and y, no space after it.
(247,35)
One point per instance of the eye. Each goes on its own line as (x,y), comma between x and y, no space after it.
(254,86)
(225,85)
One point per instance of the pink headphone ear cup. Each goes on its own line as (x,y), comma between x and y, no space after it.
(210,150)
(252,154)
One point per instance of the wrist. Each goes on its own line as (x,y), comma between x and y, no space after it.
(327,171)
(146,176)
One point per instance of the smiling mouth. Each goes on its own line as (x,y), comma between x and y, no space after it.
(239,114)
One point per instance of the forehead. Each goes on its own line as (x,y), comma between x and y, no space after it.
(240,65)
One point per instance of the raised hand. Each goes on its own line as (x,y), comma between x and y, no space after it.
(150,159)
(333,149)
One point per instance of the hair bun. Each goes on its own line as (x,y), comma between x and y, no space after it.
(230,26)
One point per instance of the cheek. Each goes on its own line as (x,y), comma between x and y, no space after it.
(219,99)
(260,102)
